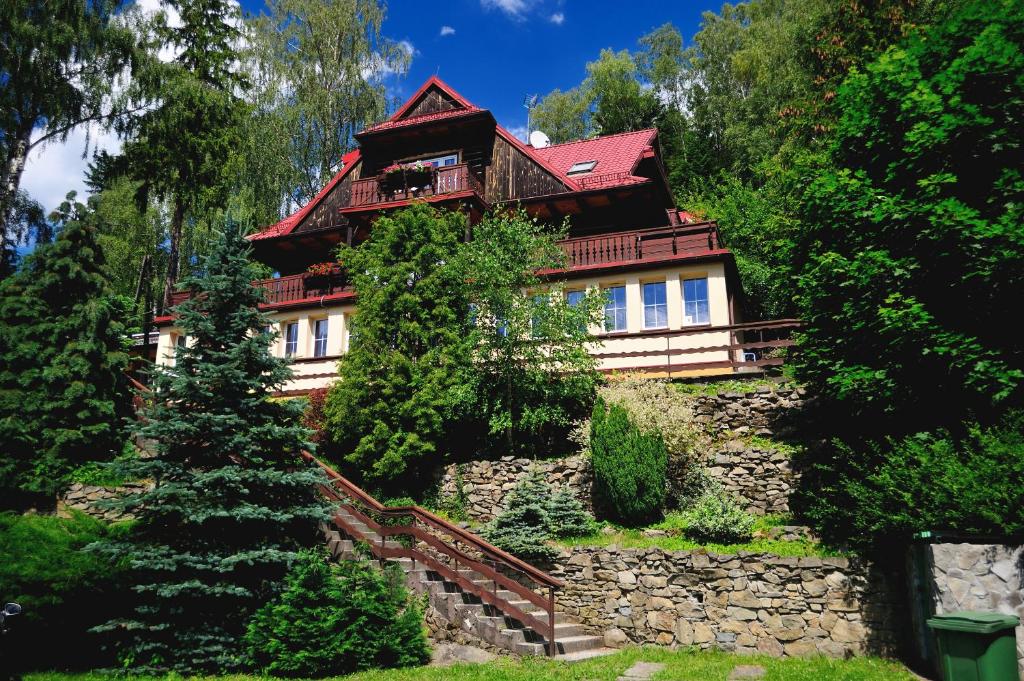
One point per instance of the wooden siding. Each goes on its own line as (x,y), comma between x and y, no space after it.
(514,175)
(326,214)
(433,101)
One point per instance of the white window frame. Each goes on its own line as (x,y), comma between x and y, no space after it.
(291,346)
(661,306)
(706,300)
(611,306)
(439,161)
(320,342)
(581,167)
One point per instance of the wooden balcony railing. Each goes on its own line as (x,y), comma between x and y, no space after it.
(290,288)
(446,180)
(641,244)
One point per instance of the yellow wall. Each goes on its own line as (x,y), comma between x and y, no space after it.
(311,373)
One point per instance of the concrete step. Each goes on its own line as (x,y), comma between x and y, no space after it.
(562,631)
(569,644)
(585,654)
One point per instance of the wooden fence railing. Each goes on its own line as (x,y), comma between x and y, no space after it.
(368,191)
(641,244)
(423,526)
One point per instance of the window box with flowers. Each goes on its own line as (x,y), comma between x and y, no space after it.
(320,275)
(402,177)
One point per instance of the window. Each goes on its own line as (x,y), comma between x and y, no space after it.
(440,161)
(695,301)
(320,338)
(540,301)
(574,298)
(615,308)
(180,342)
(291,339)
(581,167)
(655,307)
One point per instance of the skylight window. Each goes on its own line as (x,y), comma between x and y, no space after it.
(582,167)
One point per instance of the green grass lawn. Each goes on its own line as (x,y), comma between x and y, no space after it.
(675,525)
(680,666)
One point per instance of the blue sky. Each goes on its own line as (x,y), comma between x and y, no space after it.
(495,52)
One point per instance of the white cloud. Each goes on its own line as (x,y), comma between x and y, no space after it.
(516,9)
(521,132)
(447,30)
(377,69)
(52,170)
(557,18)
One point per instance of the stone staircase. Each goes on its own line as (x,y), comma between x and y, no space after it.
(468,611)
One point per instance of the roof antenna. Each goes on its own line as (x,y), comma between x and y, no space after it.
(530,102)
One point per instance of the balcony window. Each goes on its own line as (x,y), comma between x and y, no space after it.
(320,338)
(615,308)
(655,306)
(291,339)
(441,161)
(573,299)
(695,302)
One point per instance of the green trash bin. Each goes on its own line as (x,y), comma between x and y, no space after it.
(976,646)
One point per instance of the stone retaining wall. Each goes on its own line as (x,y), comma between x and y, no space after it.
(759,477)
(743,603)
(87,498)
(485,484)
(764,410)
(968,576)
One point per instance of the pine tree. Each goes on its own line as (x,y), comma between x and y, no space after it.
(232,503)
(63,393)
(388,413)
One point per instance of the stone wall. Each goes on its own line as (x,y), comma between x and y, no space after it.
(744,603)
(765,410)
(89,499)
(760,477)
(968,576)
(485,484)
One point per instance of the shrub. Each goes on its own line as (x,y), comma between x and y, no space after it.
(885,491)
(313,416)
(335,619)
(63,589)
(566,515)
(629,466)
(535,515)
(716,517)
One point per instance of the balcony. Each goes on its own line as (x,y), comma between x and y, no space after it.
(291,289)
(446,180)
(640,245)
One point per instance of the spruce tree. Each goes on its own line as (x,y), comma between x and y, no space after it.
(63,392)
(233,503)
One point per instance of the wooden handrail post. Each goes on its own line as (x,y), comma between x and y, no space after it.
(552,649)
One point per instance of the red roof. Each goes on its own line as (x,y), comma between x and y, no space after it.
(617,157)
(391,123)
(287,225)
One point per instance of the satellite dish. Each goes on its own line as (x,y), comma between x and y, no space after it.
(539,140)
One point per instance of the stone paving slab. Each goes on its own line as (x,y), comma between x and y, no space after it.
(641,670)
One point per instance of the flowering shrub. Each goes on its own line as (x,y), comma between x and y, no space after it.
(313,416)
(321,268)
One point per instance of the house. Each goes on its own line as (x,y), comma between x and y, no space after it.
(674,295)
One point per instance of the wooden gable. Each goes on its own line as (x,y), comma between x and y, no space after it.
(433,100)
(326,213)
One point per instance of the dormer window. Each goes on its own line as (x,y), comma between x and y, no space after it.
(581,167)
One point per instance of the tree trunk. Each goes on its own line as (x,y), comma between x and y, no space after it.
(10,182)
(177,218)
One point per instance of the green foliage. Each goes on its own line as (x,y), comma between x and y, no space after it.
(102,474)
(64,590)
(233,502)
(62,385)
(535,515)
(531,374)
(389,413)
(337,619)
(452,354)
(913,252)
(716,517)
(882,492)
(629,466)
(314,416)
